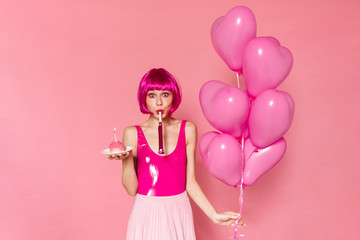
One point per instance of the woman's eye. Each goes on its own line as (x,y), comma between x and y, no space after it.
(151,95)
(165,94)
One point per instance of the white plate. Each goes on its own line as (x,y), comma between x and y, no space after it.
(107,151)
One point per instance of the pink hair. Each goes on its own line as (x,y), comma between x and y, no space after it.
(158,79)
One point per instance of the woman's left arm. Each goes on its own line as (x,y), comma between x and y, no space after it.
(192,186)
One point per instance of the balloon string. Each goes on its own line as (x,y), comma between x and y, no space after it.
(241,202)
(242,174)
(238,81)
(242,143)
(241,198)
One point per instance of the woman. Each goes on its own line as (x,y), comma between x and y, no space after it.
(162,182)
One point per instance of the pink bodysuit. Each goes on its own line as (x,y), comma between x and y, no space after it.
(161,175)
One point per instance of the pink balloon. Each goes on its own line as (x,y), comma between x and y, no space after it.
(270,117)
(231,33)
(266,64)
(260,161)
(222,156)
(225,107)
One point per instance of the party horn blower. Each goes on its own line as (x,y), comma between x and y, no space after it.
(161,149)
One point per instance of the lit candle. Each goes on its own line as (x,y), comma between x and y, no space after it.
(116,146)
(115,134)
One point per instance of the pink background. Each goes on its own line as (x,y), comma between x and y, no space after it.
(69,72)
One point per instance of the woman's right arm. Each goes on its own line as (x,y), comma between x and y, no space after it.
(129,177)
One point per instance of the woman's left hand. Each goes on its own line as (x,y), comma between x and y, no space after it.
(227,219)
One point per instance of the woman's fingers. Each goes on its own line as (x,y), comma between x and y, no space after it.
(113,156)
(230,219)
(119,156)
(124,156)
(232,215)
(226,218)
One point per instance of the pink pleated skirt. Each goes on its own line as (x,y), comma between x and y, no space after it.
(161,218)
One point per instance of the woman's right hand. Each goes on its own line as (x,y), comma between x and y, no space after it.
(120,156)
(228,218)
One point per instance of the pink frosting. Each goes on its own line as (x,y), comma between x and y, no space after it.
(116,147)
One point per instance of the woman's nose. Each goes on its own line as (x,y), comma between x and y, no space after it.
(159,101)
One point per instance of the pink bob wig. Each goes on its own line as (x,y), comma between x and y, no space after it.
(158,79)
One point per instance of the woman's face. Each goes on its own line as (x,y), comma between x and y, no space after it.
(159,100)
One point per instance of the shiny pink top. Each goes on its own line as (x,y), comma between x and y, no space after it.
(161,175)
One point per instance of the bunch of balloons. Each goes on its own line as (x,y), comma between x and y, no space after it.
(254,121)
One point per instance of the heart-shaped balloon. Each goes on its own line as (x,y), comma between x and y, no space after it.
(231,33)
(270,117)
(266,64)
(225,107)
(222,156)
(260,161)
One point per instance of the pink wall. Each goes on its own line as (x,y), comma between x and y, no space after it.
(69,72)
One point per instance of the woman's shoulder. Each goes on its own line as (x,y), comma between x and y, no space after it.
(190,125)
(190,129)
(130,136)
(190,133)
(130,131)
